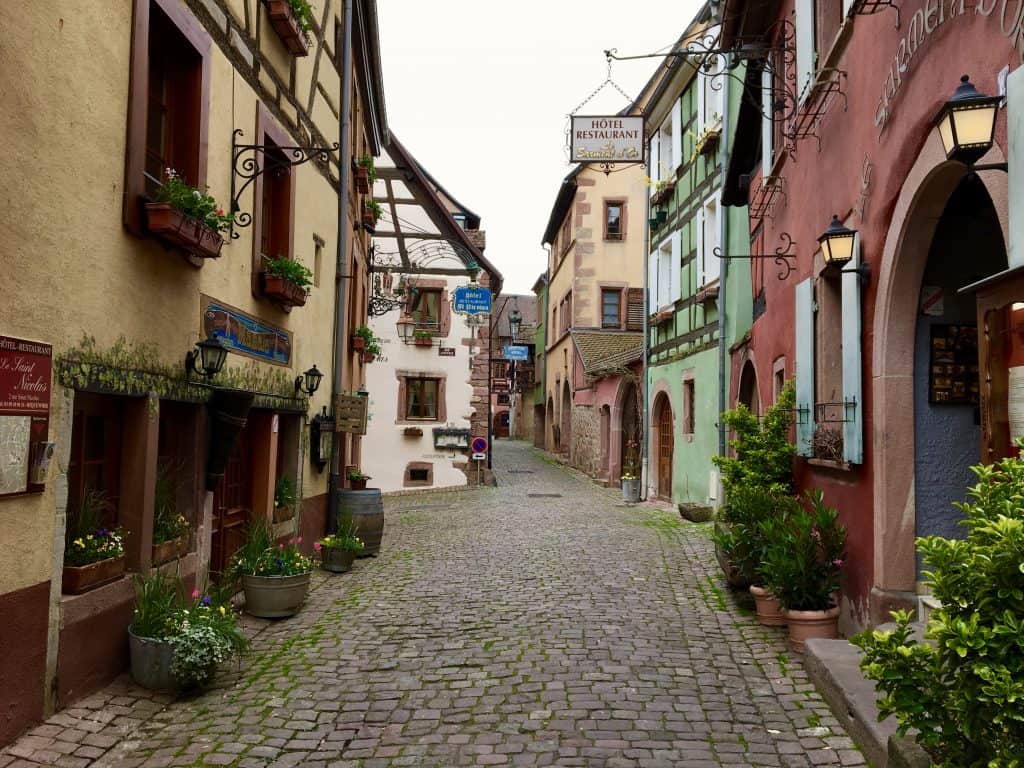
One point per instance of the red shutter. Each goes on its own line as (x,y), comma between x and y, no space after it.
(442,404)
(446,315)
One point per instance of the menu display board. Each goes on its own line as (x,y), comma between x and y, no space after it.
(953,366)
(25,376)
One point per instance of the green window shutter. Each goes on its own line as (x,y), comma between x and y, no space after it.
(853,411)
(804,415)
(804,46)
(1015,160)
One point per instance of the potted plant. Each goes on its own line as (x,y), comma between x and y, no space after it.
(358,480)
(371,213)
(338,551)
(177,643)
(187,217)
(366,174)
(413,432)
(275,578)
(286,281)
(422,338)
(803,561)
(93,554)
(662,191)
(170,529)
(292,20)
(284,499)
(364,341)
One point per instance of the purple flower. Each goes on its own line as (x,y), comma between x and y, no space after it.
(207,601)
(101,533)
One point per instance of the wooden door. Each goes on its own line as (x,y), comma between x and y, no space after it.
(665,446)
(232,505)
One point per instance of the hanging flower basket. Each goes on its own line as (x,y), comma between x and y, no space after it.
(283,291)
(174,228)
(284,22)
(708,142)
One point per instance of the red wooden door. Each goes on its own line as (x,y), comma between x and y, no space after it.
(665,447)
(232,504)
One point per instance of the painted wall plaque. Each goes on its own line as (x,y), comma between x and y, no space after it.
(246,335)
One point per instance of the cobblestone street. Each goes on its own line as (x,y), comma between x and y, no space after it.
(542,622)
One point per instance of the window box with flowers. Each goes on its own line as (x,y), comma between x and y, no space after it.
(423,338)
(366,174)
(94,553)
(413,432)
(185,217)
(284,499)
(286,281)
(707,142)
(663,192)
(170,529)
(292,20)
(371,214)
(364,342)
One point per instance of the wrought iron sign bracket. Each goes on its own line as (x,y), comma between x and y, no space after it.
(871,7)
(846,406)
(827,86)
(784,257)
(250,161)
(764,198)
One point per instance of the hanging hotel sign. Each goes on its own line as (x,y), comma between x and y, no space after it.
(471,300)
(25,375)
(350,414)
(244,334)
(612,139)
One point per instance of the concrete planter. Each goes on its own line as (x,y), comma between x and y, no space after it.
(803,625)
(151,662)
(337,560)
(275,597)
(769,612)
(631,490)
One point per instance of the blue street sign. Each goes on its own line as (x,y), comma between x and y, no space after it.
(479,445)
(471,300)
(516,352)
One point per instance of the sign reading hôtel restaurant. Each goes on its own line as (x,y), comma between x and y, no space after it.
(612,139)
(25,368)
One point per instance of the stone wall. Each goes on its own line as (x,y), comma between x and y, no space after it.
(586,439)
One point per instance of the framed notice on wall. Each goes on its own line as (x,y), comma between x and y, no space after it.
(953,365)
(25,373)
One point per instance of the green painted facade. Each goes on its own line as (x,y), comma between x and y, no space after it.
(539,343)
(684,345)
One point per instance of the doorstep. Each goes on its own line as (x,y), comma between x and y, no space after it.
(834,668)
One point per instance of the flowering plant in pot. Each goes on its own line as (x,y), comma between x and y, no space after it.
(187,217)
(371,213)
(293,21)
(286,280)
(366,174)
(284,499)
(93,552)
(175,643)
(275,578)
(339,550)
(804,557)
(170,529)
(358,480)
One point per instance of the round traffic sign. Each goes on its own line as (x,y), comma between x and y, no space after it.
(479,444)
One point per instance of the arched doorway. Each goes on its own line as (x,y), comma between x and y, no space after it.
(501,425)
(748,394)
(898,423)
(629,431)
(606,432)
(664,446)
(552,443)
(566,429)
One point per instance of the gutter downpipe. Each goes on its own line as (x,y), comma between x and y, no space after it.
(341,267)
(723,227)
(644,431)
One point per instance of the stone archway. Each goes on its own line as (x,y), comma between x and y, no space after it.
(663,442)
(748,392)
(919,207)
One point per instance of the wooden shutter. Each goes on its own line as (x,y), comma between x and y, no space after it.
(804,415)
(635,309)
(805,56)
(445,315)
(442,401)
(1015,159)
(676,269)
(853,432)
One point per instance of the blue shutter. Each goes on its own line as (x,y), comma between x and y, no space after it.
(804,415)
(853,411)
(767,126)
(805,63)
(1015,161)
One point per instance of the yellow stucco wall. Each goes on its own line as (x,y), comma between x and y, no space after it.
(69,266)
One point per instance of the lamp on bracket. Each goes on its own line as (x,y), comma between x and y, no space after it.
(967,125)
(837,243)
(308,382)
(208,357)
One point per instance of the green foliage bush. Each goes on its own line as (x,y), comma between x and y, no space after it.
(965,693)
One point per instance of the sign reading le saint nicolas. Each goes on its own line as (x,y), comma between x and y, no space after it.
(613,139)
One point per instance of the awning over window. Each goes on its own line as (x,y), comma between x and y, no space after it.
(746,146)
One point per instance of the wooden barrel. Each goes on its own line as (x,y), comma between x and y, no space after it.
(366,510)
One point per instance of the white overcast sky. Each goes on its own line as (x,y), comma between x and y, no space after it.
(479,93)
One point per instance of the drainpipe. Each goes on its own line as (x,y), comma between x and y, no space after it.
(644,453)
(341,267)
(723,233)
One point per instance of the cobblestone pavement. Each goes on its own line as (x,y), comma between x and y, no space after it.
(542,622)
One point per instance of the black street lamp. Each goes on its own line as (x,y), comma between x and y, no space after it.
(208,358)
(837,243)
(967,123)
(309,382)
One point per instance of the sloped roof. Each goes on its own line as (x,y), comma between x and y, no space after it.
(527,334)
(604,351)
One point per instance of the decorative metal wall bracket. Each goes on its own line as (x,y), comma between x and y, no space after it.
(764,198)
(870,7)
(827,86)
(784,256)
(250,161)
(843,411)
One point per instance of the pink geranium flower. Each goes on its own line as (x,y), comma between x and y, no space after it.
(196,593)
(317,546)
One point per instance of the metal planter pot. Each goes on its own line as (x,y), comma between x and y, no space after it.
(337,560)
(275,597)
(151,662)
(631,490)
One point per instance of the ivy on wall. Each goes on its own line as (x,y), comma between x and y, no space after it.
(136,369)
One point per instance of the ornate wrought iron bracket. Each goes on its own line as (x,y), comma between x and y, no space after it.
(835,411)
(784,256)
(870,7)
(250,161)
(827,86)
(763,200)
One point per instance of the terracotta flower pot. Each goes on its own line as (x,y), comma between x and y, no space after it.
(175,229)
(358,342)
(283,20)
(804,625)
(170,550)
(81,578)
(275,597)
(363,180)
(769,612)
(358,485)
(423,341)
(336,559)
(282,291)
(367,357)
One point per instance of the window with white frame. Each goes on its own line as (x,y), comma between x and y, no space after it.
(665,273)
(709,100)
(708,239)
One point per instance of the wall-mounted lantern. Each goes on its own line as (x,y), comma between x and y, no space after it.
(406,326)
(321,431)
(309,382)
(967,123)
(837,243)
(207,359)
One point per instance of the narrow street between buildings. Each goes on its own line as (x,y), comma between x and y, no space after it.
(542,622)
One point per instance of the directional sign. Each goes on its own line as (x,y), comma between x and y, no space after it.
(516,352)
(471,300)
(479,445)
(479,457)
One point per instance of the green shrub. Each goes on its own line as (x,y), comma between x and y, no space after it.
(965,693)
(749,509)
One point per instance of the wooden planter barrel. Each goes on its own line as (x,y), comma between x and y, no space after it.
(366,509)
